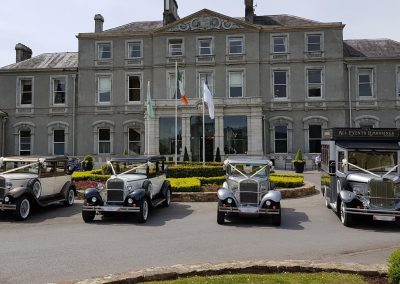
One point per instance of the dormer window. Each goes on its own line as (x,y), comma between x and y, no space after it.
(175,47)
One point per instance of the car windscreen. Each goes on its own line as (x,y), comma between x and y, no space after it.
(132,167)
(20,167)
(375,161)
(258,170)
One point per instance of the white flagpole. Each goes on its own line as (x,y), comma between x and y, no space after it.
(176,113)
(148,122)
(204,136)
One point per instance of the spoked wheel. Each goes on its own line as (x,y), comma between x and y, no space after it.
(276,218)
(144,211)
(70,197)
(220,215)
(23,208)
(346,218)
(167,201)
(88,216)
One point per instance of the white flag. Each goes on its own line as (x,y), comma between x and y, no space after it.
(209,100)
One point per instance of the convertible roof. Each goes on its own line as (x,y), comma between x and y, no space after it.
(137,159)
(34,159)
(247,160)
(368,145)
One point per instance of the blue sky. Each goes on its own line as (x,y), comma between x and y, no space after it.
(51,25)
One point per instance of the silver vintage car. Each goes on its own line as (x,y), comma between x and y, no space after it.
(136,184)
(247,190)
(42,181)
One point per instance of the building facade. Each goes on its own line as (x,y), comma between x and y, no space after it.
(277,81)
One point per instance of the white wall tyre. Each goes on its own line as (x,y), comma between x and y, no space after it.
(23,208)
(70,198)
(220,215)
(144,211)
(345,218)
(37,189)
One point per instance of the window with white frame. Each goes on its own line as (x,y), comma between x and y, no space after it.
(280,80)
(134,88)
(235,84)
(315,83)
(104,50)
(208,79)
(205,46)
(314,42)
(25,142)
(58,142)
(104,140)
(314,138)
(279,44)
(281,139)
(235,45)
(134,49)
(104,89)
(175,47)
(26,91)
(365,82)
(134,141)
(59,93)
(171,77)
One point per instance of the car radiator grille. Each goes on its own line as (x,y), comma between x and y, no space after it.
(115,184)
(382,193)
(2,187)
(115,195)
(248,191)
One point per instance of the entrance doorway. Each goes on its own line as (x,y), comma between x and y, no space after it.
(196,138)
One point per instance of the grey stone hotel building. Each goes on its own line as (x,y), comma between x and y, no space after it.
(278,81)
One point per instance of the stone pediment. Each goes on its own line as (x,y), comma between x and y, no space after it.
(206,20)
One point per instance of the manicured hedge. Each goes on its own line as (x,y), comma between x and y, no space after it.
(194,171)
(287,180)
(212,180)
(394,266)
(185,184)
(89,175)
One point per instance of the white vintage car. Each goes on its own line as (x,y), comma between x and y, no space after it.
(247,190)
(136,184)
(25,181)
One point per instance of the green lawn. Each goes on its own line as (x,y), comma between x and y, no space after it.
(283,278)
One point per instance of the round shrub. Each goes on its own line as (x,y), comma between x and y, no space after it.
(87,163)
(394,267)
(106,169)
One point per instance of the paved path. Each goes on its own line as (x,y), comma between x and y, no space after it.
(56,245)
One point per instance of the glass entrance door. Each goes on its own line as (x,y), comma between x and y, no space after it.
(196,138)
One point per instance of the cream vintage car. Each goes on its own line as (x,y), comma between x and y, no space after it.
(27,181)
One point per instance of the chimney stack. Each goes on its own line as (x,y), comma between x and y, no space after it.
(22,52)
(170,14)
(249,12)
(98,23)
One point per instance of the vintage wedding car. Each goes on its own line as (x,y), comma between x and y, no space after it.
(27,181)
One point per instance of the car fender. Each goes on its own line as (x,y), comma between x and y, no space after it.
(93,192)
(18,192)
(138,194)
(273,195)
(224,193)
(67,186)
(166,184)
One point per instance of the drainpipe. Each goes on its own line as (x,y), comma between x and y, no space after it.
(73,114)
(3,132)
(349,93)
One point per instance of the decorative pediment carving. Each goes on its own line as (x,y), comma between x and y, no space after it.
(205,23)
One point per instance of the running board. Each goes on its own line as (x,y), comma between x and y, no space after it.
(157,201)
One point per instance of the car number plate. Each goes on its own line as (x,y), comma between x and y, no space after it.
(248,210)
(384,218)
(110,209)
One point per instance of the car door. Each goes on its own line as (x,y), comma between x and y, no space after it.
(47,179)
(61,177)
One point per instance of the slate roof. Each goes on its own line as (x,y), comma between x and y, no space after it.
(373,48)
(60,60)
(273,20)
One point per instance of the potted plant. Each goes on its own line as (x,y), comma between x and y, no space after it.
(298,162)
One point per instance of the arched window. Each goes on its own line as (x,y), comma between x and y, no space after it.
(57,133)
(24,133)
(281,129)
(103,137)
(313,127)
(134,137)
(369,121)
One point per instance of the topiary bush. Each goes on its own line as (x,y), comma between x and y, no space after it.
(218,155)
(394,267)
(106,169)
(87,163)
(186,156)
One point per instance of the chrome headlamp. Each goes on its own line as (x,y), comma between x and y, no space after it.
(8,185)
